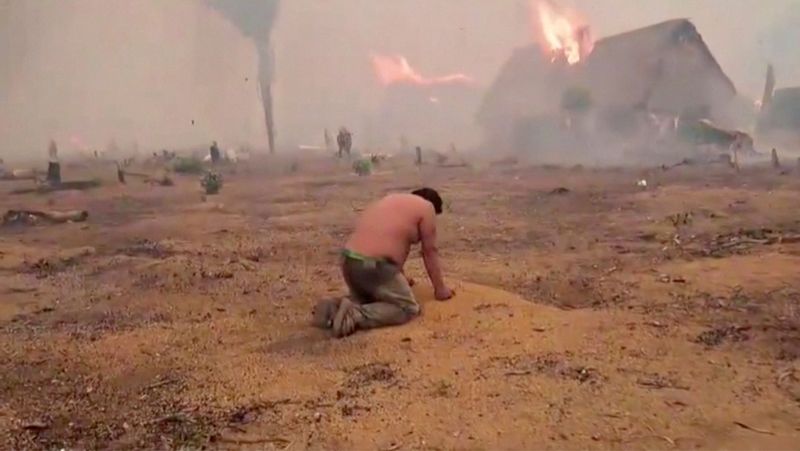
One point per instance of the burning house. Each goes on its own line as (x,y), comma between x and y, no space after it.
(620,87)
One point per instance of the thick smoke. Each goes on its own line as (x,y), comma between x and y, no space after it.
(255,19)
(146,74)
(324,47)
(143,70)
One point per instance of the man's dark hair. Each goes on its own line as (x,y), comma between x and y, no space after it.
(431,196)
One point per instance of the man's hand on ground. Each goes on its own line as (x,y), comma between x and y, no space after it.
(444,294)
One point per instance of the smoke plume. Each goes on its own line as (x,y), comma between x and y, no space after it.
(255,20)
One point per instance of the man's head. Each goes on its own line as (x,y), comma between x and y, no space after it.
(431,196)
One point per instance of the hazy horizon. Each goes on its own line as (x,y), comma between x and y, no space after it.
(86,72)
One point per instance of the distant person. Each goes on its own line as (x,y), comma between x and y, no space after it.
(328,141)
(373,260)
(52,151)
(214,152)
(345,141)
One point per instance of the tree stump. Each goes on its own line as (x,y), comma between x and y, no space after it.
(54,173)
(776,163)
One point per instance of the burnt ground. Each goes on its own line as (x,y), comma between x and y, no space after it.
(602,315)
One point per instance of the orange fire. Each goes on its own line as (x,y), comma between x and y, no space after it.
(396,70)
(563,32)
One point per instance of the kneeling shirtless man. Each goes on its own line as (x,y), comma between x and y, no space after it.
(372,264)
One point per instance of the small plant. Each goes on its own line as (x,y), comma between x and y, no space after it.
(187,165)
(363,167)
(211,182)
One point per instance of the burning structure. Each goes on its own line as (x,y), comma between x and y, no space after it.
(620,87)
(425,109)
(255,20)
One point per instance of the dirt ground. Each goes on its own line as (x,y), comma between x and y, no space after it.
(601,315)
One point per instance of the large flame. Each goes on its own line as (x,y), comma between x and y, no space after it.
(563,33)
(396,70)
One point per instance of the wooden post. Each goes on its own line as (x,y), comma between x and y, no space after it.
(776,163)
(419,156)
(54,173)
(120,174)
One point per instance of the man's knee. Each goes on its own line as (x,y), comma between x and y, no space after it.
(413,309)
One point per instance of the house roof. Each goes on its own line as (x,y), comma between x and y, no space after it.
(666,66)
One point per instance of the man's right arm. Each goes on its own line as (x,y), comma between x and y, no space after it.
(430,255)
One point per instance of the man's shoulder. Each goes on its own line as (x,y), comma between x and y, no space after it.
(408,199)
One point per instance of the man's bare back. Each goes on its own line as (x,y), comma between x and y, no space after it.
(372,265)
(388,228)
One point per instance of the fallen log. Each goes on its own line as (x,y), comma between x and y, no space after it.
(452,165)
(19,174)
(63,186)
(33,217)
(162,180)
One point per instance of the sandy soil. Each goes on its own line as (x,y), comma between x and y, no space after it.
(600,316)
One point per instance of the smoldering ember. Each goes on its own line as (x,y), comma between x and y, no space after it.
(211,211)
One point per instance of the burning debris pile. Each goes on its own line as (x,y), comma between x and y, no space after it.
(632,88)
(425,108)
(392,70)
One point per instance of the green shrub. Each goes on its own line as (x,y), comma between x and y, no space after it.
(211,182)
(363,167)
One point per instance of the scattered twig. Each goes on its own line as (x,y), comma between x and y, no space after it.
(754,429)
(321,405)
(662,437)
(784,375)
(35,426)
(160,384)
(173,417)
(21,290)
(255,441)
(393,447)
(659,383)
(518,373)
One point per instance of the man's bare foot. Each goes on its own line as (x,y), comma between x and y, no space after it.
(347,319)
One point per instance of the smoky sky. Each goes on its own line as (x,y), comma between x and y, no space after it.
(142,70)
(253,18)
